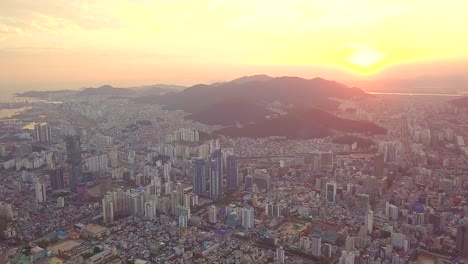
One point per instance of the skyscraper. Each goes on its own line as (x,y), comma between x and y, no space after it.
(42,132)
(280,256)
(248,217)
(379,165)
(213,214)
(216,174)
(462,240)
(369,221)
(151,208)
(108,208)
(362,204)
(232,173)
(56,178)
(180,193)
(40,191)
(316,242)
(199,176)
(74,161)
(331,192)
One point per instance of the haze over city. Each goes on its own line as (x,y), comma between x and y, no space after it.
(233,132)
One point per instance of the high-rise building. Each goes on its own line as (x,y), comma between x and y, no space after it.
(316,242)
(232,173)
(174,201)
(167,168)
(399,241)
(151,208)
(462,240)
(187,202)
(379,165)
(349,243)
(199,176)
(137,204)
(131,157)
(182,210)
(273,209)
(60,201)
(347,257)
(42,132)
(331,192)
(6,211)
(362,203)
(326,158)
(97,163)
(74,161)
(183,219)
(168,187)
(2,150)
(41,195)
(213,214)
(262,180)
(56,178)
(180,193)
(369,221)
(216,174)
(280,256)
(108,208)
(248,181)
(248,217)
(114,159)
(193,199)
(105,184)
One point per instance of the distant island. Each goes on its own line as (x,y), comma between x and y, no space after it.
(109,91)
(43,94)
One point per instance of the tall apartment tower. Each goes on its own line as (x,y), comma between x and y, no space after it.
(379,165)
(73,144)
(216,174)
(462,240)
(40,191)
(199,176)
(331,192)
(232,173)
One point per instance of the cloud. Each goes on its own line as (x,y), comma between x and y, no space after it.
(307,15)
(349,13)
(20,17)
(32,22)
(9,31)
(55,25)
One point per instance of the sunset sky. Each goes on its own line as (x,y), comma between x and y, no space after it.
(72,43)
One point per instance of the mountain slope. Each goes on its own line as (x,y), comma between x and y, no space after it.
(312,123)
(461,102)
(288,90)
(231,112)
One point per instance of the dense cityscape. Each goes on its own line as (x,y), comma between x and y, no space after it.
(102,179)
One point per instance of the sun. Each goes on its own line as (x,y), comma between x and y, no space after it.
(366,57)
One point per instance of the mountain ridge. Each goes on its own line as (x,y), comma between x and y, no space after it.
(288,90)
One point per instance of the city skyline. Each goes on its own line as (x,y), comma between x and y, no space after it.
(233,131)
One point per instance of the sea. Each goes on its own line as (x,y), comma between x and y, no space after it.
(8,96)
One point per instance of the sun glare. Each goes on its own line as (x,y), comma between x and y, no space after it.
(366,58)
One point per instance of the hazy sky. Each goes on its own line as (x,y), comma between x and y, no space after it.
(72,43)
